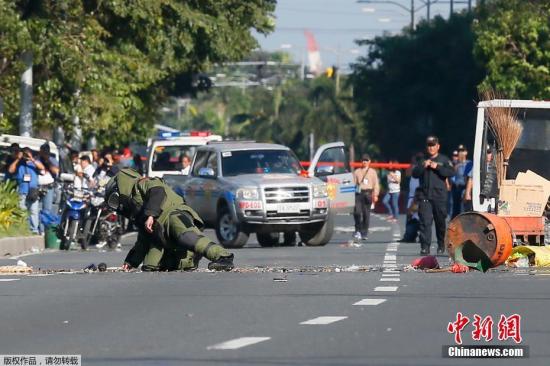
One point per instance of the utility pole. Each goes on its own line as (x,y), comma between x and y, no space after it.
(428,7)
(452,8)
(412,15)
(25,118)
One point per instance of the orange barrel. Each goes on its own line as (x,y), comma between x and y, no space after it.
(479,239)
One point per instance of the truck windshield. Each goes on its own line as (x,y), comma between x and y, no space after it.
(533,149)
(259,162)
(168,158)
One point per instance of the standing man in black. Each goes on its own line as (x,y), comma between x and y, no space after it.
(432,173)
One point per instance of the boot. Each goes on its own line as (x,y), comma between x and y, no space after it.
(224,263)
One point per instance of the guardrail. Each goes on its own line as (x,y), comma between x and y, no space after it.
(306,164)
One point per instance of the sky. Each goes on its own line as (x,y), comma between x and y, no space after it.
(336,24)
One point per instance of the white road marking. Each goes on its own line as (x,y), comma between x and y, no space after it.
(323,320)
(370,302)
(238,343)
(391,274)
(389,279)
(390,257)
(386,288)
(392,249)
(8,279)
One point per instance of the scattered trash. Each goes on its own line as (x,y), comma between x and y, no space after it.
(351,244)
(15,269)
(21,263)
(524,256)
(454,268)
(90,268)
(189,315)
(428,262)
(102,267)
(280,279)
(352,268)
(337,270)
(65,322)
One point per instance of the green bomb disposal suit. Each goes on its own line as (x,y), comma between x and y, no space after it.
(176,242)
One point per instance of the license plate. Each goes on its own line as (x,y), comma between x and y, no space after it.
(288,207)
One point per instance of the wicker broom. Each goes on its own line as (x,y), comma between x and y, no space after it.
(506,128)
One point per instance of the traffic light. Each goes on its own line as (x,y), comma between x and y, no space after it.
(331,72)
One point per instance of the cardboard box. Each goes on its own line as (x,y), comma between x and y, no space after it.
(521,200)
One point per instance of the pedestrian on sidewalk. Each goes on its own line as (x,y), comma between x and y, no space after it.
(433,173)
(391,199)
(366,194)
(25,169)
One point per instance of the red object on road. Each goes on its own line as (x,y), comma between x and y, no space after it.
(428,262)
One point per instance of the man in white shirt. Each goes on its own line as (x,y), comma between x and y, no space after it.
(185,165)
(84,173)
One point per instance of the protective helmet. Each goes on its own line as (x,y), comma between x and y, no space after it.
(119,188)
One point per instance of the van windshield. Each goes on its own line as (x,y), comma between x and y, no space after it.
(533,149)
(168,158)
(260,162)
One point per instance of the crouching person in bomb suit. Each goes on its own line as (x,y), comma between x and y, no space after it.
(169,232)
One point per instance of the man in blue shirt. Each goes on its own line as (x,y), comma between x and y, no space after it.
(25,170)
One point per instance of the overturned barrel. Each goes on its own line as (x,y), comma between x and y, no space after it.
(479,240)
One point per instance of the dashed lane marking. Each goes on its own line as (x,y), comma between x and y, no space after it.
(323,320)
(370,302)
(390,274)
(238,343)
(386,288)
(389,279)
(390,257)
(8,279)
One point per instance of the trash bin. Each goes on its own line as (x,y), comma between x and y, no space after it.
(479,240)
(51,239)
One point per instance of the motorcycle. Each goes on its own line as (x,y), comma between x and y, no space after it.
(102,226)
(74,214)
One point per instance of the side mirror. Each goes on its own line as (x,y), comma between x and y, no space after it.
(206,173)
(324,170)
(67,177)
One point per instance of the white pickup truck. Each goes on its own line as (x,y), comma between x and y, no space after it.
(243,187)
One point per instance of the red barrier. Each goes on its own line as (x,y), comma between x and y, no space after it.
(359,165)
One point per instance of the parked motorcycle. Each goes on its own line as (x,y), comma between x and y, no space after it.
(102,226)
(74,214)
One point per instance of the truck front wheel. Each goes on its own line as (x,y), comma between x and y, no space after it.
(317,234)
(229,232)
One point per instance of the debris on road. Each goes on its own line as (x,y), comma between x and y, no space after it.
(351,244)
(280,279)
(454,268)
(102,267)
(21,263)
(15,269)
(524,256)
(428,262)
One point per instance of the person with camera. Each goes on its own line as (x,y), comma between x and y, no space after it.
(47,177)
(25,169)
(433,172)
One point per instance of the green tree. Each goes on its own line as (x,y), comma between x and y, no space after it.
(112,63)
(417,83)
(513,44)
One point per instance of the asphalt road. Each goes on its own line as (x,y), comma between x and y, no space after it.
(318,312)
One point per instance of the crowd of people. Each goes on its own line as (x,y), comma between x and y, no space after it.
(438,188)
(36,174)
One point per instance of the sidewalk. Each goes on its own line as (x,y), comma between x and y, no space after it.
(20,244)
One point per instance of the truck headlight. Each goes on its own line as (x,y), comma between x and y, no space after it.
(248,194)
(320,191)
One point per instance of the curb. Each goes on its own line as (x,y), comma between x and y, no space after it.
(17,245)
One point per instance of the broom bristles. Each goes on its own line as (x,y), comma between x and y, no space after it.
(503,123)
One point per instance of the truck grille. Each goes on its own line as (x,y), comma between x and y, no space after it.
(286,194)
